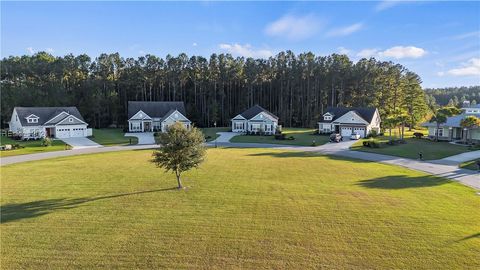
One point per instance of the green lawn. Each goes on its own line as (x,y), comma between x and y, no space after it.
(211,133)
(431,150)
(112,136)
(299,211)
(471,165)
(30,147)
(303,137)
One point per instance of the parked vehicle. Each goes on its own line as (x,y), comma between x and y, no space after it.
(335,137)
(354,136)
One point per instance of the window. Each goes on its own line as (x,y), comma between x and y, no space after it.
(327,117)
(440,132)
(238,125)
(70,120)
(32,120)
(255,127)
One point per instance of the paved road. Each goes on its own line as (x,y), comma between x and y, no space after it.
(81,143)
(143,137)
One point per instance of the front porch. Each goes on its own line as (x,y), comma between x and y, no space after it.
(140,126)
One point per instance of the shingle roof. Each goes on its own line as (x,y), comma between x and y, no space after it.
(157,109)
(253,111)
(44,114)
(366,113)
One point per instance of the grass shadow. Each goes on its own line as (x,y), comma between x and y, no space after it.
(18,211)
(287,154)
(403,181)
(475,235)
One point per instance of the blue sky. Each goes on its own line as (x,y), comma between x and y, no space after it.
(438,40)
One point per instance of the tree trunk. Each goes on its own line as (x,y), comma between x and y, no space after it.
(179,182)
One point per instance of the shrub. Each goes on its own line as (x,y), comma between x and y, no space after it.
(418,135)
(280,136)
(373,134)
(46,141)
(371,143)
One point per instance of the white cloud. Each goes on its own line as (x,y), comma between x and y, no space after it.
(49,50)
(399,52)
(194,44)
(294,27)
(343,50)
(345,31)
(467,35)
(471,68)
(383,5)
(30,50)
(367,53)
(245,50)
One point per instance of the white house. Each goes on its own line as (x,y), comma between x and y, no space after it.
(54,122)
(256,120)
(148,116)
(451,130)
(348,120)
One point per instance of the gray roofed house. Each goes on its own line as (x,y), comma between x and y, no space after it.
(256,120)
(57,122)
(346,121)
(148,116)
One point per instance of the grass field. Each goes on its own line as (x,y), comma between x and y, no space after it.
(30,147)
(471,165)
(211,133)
(303,137)
(112,136)
(116,210)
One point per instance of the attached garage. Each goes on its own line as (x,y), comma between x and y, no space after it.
(345,131)
(62,132)
(360,130)
(78,132)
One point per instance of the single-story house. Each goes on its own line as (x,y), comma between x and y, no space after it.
(53,122)
(348,120)
(451,130)
(255,119)
(149,116)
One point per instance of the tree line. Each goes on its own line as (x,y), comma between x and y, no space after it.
(453,96)
(297,88)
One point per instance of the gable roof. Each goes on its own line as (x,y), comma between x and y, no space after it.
(366,113)
(44,114)
(157,109)
(255,110)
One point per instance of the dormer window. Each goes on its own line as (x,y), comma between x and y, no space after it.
(327,117)
(32,118)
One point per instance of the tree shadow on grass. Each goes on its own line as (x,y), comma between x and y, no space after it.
(17,211)
(475,235)
(403,181)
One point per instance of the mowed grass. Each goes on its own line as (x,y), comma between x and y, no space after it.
(302,137)
(244,208)
(211,133)
(29,147)
(111,137)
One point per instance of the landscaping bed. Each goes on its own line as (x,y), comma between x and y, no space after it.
(292,136)
(30,147)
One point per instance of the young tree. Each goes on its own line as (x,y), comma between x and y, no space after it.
(441,116)
(469,123)
(181,149)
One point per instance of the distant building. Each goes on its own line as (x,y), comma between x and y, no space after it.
(256,120)
(54,122)
(149,116)
(350,120)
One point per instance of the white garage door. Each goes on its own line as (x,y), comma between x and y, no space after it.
(360,131)
(62,133)
(78,132)
(346,131)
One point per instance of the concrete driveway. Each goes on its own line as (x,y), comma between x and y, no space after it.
(81,143)
(225,136)
(143,137)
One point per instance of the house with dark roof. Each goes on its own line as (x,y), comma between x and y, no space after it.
(452,129)
(53,122)
(350,120)
(255,119)
(149,116)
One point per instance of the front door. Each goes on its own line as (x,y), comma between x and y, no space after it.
(147,127)
(48,131)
